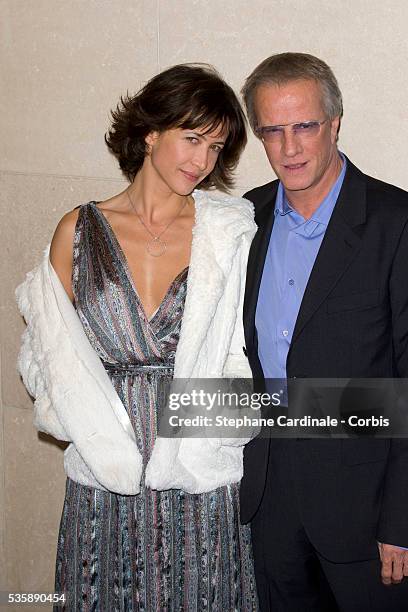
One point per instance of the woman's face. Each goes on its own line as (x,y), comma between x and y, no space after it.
(182,158)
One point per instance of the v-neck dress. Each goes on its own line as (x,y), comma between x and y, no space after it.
(159,550)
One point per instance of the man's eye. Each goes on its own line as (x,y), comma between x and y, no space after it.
(273,129)
(305,127)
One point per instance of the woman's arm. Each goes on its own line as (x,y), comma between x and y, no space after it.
(61,251)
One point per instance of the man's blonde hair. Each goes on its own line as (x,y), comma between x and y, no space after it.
(285,67)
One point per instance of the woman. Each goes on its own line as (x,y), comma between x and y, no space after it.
(156,277)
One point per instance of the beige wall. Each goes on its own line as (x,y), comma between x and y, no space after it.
(64,64)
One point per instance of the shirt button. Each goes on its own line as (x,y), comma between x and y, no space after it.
(291,282)
(285,333)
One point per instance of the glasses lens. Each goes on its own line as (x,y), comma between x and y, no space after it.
(271,133)
(306,129)
(274,133)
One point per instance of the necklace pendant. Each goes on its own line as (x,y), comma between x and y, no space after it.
(156,247)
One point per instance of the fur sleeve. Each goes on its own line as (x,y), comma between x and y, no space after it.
(45,417)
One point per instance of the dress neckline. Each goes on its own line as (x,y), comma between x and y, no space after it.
(124,261)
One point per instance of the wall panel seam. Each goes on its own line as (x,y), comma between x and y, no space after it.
(79,177)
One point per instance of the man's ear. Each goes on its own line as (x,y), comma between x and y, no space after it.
(334,129)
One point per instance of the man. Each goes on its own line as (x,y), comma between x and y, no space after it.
(326,297)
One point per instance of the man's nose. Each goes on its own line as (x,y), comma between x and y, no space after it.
(291,144)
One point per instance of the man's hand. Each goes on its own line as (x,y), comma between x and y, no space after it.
(394,562)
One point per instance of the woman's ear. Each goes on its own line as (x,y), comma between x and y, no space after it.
(150,140)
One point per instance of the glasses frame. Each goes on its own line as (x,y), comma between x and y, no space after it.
(260,130)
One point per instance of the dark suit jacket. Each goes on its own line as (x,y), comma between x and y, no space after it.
(353,322)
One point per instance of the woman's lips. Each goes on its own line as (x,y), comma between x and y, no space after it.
(191,177)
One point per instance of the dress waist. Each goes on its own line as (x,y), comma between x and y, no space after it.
(134,369)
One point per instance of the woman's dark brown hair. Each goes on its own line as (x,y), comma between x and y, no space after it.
(187,96)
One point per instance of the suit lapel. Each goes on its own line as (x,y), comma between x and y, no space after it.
(340,245)
(264,219)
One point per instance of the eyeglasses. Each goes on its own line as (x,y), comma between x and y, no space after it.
(303,130)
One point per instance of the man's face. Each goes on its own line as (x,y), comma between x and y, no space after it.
(306,165)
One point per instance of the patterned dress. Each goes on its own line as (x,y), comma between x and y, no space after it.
(156,551)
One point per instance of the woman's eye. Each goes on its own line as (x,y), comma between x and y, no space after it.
(216,148)
(192,139)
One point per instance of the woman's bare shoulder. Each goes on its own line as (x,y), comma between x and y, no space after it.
(119,203)
(64,232)
(61,251)
(68,221)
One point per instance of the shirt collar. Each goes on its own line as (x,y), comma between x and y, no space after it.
(282,206)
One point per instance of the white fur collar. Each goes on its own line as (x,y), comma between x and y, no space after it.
(220,223)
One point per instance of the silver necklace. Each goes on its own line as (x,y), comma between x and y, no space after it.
(155,246)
